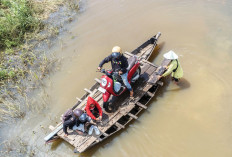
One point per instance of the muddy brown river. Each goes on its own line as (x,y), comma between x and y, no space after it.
(190,120)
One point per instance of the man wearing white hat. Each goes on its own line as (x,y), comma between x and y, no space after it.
(174,67)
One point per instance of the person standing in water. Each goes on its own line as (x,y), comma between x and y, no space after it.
(174,67)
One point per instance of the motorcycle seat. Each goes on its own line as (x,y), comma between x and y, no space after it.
(131,62)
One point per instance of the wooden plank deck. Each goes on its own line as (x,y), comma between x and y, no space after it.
(125,109)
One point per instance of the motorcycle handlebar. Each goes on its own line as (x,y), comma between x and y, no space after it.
(102,71)
(105,72)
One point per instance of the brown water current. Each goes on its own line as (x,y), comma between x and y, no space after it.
(190,120)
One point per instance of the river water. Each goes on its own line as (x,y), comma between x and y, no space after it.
(190,120)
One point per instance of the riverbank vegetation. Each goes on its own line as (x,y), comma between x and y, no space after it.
(28,30)
(24,27)
(17,20)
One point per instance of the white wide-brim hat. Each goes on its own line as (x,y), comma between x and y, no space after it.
(170,55)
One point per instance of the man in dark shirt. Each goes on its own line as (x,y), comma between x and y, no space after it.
(73,120)
(119,64)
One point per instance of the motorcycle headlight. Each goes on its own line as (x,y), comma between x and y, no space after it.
(103,82)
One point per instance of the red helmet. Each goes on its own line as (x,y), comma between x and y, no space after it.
(77,112)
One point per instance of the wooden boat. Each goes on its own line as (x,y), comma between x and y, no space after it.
(125,109)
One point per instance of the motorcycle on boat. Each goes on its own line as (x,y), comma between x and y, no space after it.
(112,84)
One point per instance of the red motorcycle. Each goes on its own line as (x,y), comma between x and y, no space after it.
(112,84)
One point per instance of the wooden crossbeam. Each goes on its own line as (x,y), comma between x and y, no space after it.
(128,53)
(119,125)
(141,105)
(53,133)
(160,83)
(98,140)
(105,134)
(51,127)
(150,94)
(145,61)
(93,93)
(78,99)
(133,116)
(88,91)
(97,80)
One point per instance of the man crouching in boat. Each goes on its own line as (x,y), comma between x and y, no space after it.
(93,109)
(80,122)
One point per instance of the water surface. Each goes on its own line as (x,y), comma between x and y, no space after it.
(193,119)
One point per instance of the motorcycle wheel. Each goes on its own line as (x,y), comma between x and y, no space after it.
(107,107)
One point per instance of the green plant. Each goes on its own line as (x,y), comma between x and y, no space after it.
(3,74)
(7,74)
(11,74)
(16,19)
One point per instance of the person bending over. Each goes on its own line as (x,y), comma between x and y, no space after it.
(174,67)
(93,109)
(80,122)
(70,119)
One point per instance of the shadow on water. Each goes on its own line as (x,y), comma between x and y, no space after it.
(56,144)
